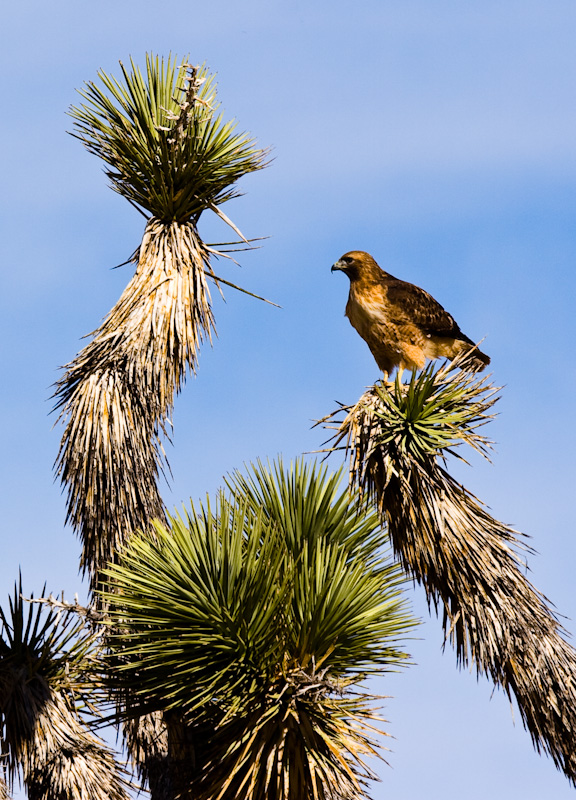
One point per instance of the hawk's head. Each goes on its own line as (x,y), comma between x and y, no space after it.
(357,264)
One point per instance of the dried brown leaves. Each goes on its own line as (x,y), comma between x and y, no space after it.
(464,558)
(118,392)
(62,759)
(308,740)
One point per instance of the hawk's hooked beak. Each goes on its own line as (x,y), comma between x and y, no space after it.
(339,265)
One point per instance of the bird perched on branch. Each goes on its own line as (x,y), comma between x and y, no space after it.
(402,324)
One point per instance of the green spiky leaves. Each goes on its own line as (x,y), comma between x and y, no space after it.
(283,573)
(258,614)
(435,412)
(396,425)
(166,149)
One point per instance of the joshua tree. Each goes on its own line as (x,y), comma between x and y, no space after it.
(173,158)
(46,700)
(169,154)
(253,619)
(399,437)
(236,634)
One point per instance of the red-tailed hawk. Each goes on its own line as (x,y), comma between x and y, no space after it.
(402,324)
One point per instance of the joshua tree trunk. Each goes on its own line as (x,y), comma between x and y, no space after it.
(119,391)
(398,438)
(172,158)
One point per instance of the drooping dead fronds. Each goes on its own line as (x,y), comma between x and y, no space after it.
(45,682)
(397,437)
(63,760)
(147,741)
(119,391)
(171,157)
(307,740)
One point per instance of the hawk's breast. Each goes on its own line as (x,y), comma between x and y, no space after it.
(366,310)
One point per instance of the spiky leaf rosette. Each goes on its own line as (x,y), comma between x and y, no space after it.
(398,437)
(44,686)
(171,156)
(166,149)
(254,619)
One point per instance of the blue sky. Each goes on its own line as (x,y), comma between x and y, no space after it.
(440,137)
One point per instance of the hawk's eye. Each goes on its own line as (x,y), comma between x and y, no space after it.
(346,259)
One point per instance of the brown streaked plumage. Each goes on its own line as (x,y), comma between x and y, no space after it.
(401,324)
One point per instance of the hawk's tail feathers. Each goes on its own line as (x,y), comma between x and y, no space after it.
(473,359)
